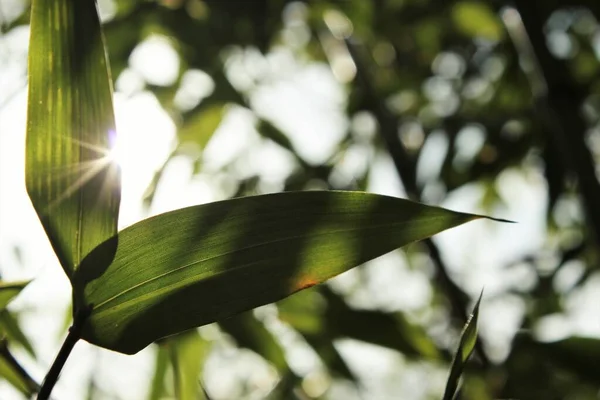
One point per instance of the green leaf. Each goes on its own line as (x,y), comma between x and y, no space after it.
(71,178)
(185,353)
(306,312)
(11,376)
(188,351)
(9,290)
(270,131)
(157,388)
(201,264)
(468,338)
(202,124)
(376,327)
(13,373)
(311,315)
(11,330)
(251,333)
(324,346)
(476,19)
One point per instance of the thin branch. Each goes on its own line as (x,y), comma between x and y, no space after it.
(72,337)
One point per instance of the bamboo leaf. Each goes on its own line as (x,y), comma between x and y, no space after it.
(13,373)
(184,356)
(11,331)
(71,178)
(249,332)
(9,290)
(468,338)
(157,387)
(11,376)
(376,327)
(188,351)
(201,264)
(200,126)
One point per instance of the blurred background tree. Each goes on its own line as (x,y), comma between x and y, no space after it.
(479,106)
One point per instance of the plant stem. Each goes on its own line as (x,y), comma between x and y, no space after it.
(61,358)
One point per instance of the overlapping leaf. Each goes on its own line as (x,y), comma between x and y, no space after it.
(71,178)
(201,264)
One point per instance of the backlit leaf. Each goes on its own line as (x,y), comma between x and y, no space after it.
(188,351)
(201,264)
(71,177)
(468,338)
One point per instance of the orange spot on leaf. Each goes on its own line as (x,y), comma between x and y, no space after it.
(305,283)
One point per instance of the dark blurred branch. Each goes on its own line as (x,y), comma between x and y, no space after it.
(406,167)
(558,100)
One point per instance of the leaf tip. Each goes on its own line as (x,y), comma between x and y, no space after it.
(507,221)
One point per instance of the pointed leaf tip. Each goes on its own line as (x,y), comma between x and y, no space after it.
(465,348)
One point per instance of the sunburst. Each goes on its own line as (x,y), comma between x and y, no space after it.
(106,163)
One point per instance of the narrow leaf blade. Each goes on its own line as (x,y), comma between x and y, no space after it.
(249,332)
(468,338)
(157,387)
(200,126)
(201,264)
(9,290)
(71,178)
(11,330)
(13,373)
(188,351)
